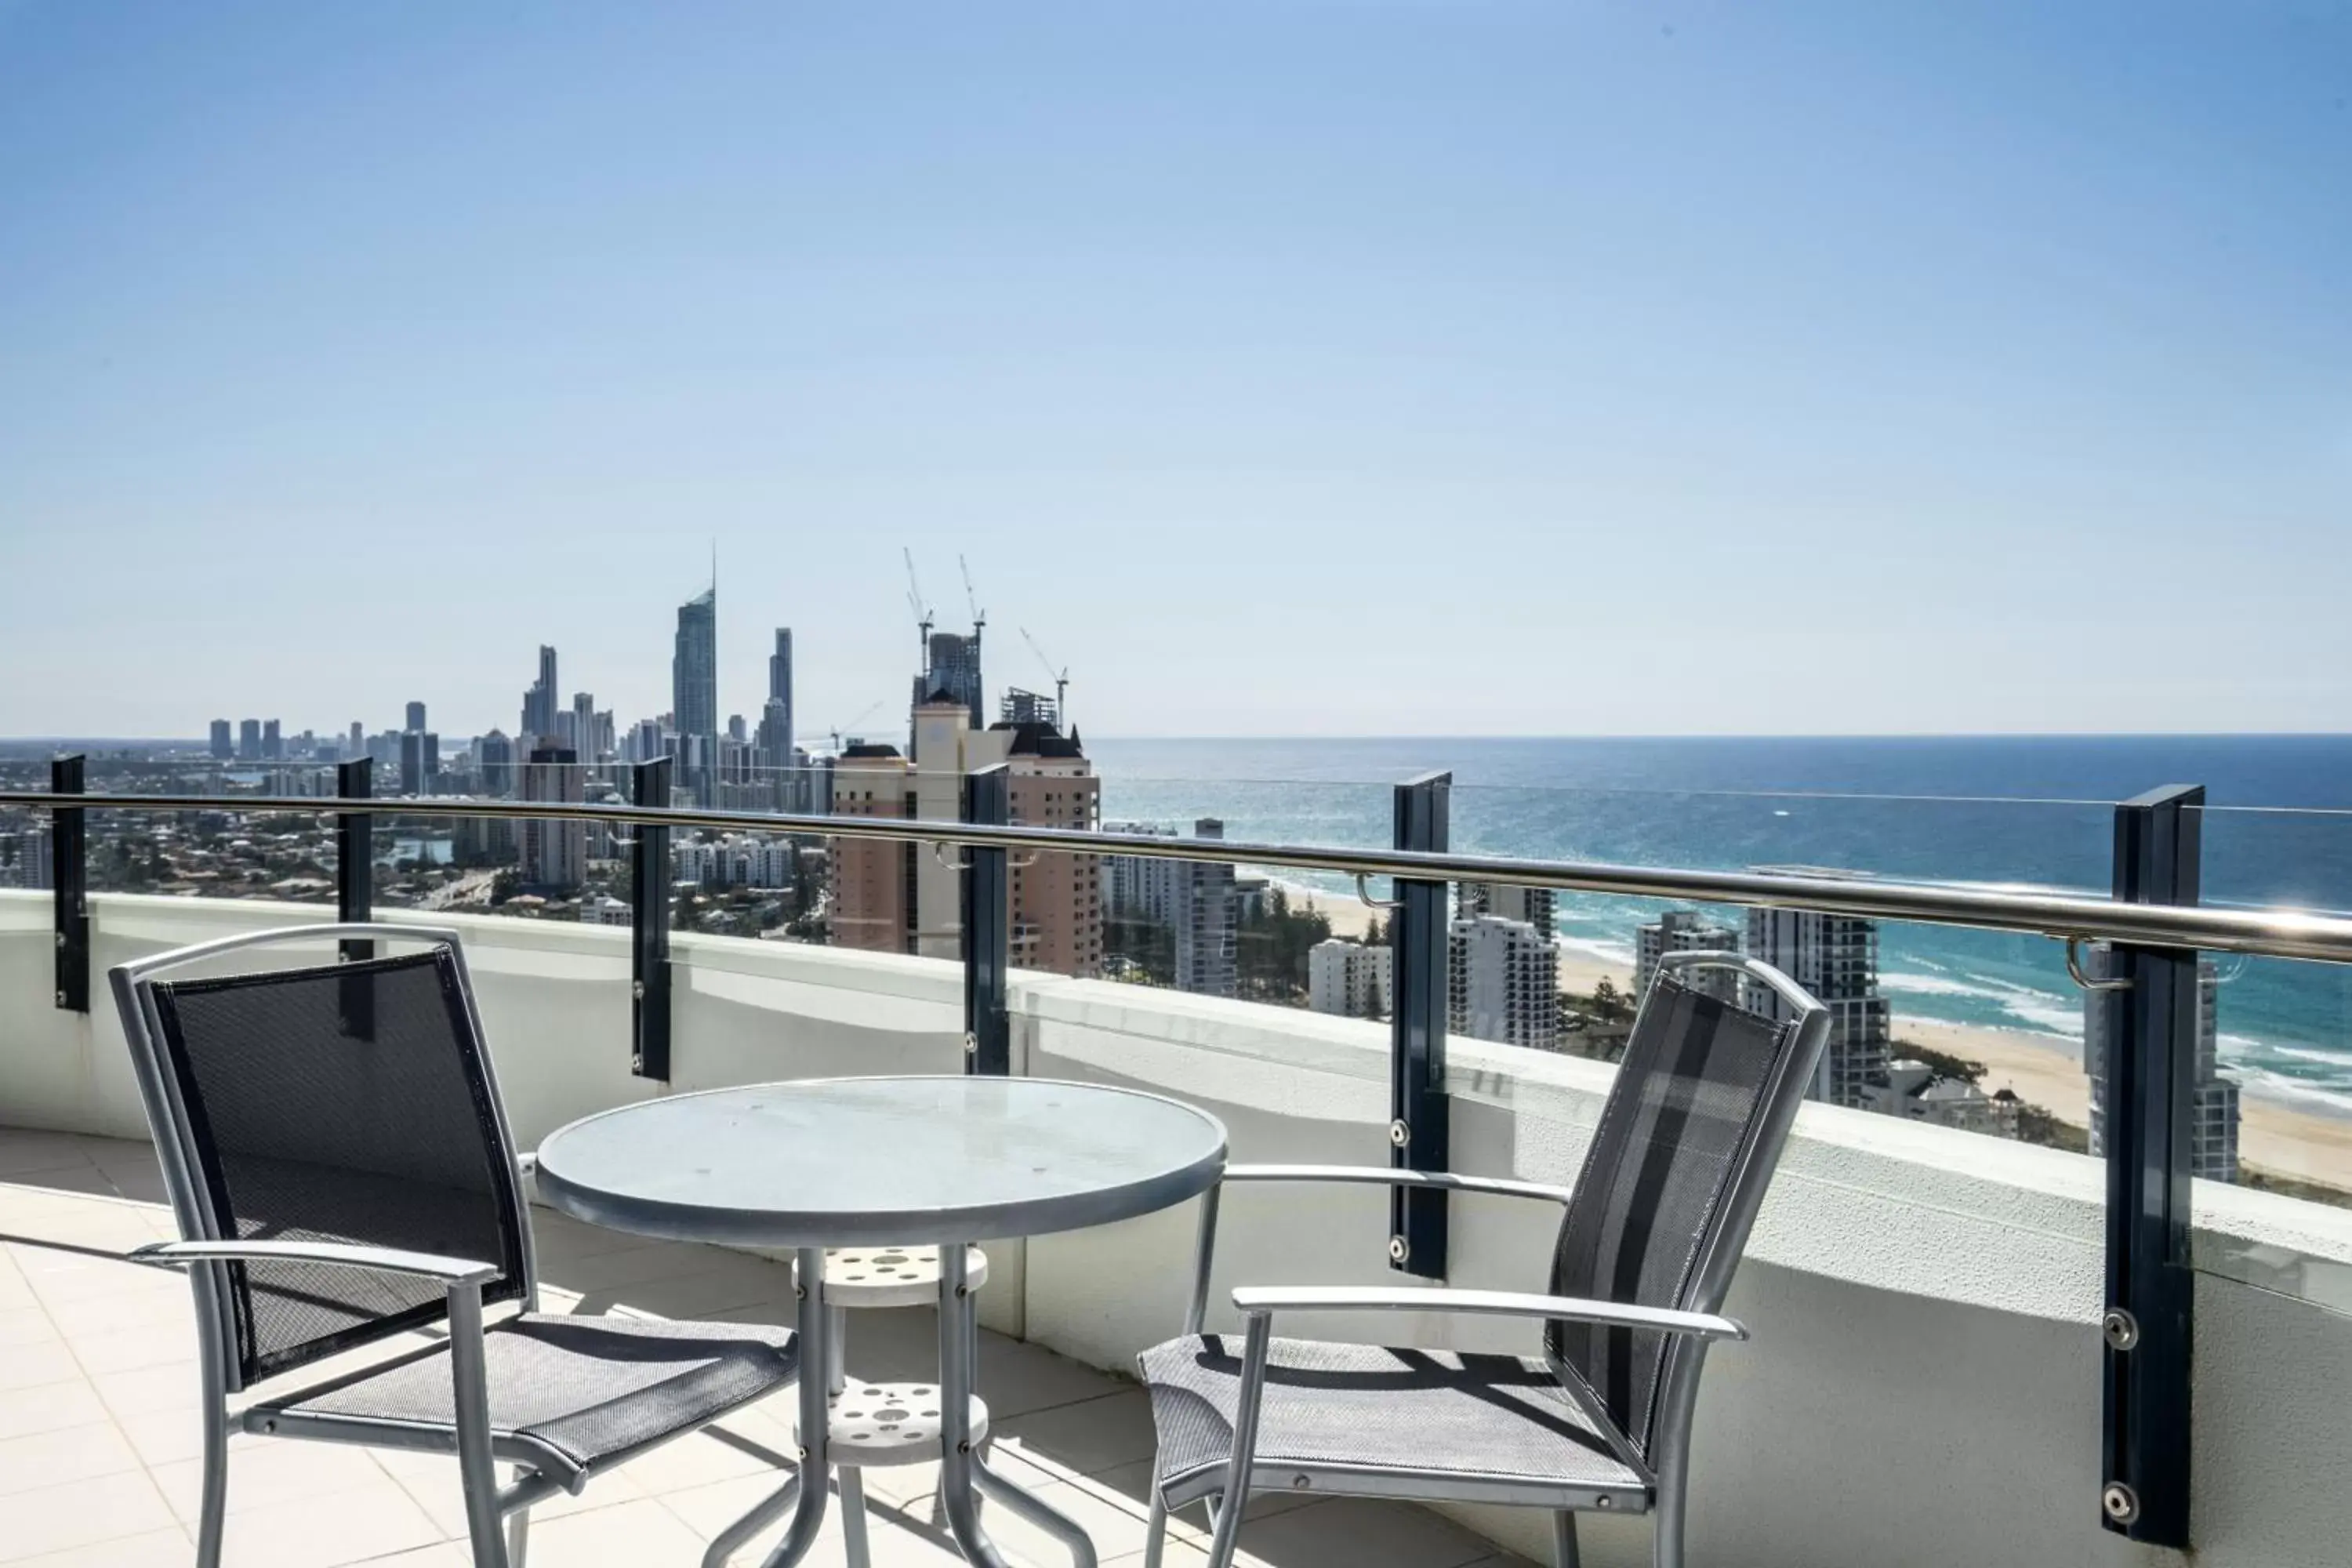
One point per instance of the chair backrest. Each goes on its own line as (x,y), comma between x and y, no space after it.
(347,1102)
(1677,1167)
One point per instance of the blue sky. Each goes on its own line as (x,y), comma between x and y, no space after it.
(1286,368)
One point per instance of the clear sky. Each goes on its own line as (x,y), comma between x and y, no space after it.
(1286,368)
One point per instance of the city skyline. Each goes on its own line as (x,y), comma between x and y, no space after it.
(1235,346)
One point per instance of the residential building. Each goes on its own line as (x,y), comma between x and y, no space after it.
(774,736)
(694,685)
(1835,958)
(554,852)
(249,741)
(1686,930)
(223,747)
(584,727)
(604,910)
(1139,886)
(2213,1107)
(873,880)
(415,716)
(1207,919)
(1530,906)
(1353,979)
(28,857)
(273,741)
(494,756)
(1056,898)
(1019,707)
(1503,981)
(355,747)
(1917,1092)
(539,705)
(484,840)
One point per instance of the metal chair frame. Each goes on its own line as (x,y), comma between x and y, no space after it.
(1695,1323)
(541,1470)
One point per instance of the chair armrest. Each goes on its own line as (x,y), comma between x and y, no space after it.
(332,1254)
(1382,1175)
(1262,1301)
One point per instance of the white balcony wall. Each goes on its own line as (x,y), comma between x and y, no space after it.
(1923,1383)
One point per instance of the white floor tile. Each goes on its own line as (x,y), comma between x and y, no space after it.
(81,1513)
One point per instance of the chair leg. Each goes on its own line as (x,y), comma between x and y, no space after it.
(1563,1539)
(1155,1529)
(519,1529)
(213,1507)
(853,1518)
(1666,1527)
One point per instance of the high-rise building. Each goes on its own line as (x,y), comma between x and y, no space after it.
(2213,1111)
(554,852)
(951,664)
(415,716)
(775,732)
(737,731)
(248,740)
(273,741)
(1834,957)
(539,705)
(1056,896)
(583,726)
(1353,979)
(694,682)
(355,747)
(1503,981)
(873,879)
(495,755)
(1532,906)
(223,746)
(1020,707)
(27,858)
(1207,917)
(1139,886)
(646,740)
(1685,930)
(420,762)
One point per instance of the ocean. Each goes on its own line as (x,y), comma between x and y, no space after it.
(2009,810)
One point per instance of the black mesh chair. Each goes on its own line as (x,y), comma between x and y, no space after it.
(1654,1225)
(343,1174)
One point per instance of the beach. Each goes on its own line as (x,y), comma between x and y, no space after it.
(2039,1070)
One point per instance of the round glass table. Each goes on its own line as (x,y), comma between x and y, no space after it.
(884,1162)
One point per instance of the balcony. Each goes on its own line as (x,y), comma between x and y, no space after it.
(1922,1388)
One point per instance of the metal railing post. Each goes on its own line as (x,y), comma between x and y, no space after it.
(987,928)
(1420,1124)
(69,876)
(649,879)
(2151,1033)
(355,854)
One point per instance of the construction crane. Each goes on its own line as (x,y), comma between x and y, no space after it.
(837,729)
(1061,680)
(915,603)
(979,615)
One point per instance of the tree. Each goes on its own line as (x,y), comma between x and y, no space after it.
(1607,1005)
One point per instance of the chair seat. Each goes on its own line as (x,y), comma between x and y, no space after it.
(1394,1417)
(586,1390)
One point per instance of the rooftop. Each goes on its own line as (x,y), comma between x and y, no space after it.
(99,1434)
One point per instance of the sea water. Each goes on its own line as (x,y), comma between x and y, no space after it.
(2025,811)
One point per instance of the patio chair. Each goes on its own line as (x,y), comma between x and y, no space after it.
(1677,1167)
(341,1167)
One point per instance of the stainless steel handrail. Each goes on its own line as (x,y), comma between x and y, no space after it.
(2276,932)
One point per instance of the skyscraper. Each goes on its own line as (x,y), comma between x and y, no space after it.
(1835,957)
(273,741)
(248,740)
(1056,896)
(694,679)
(1511,902)
(1351,979)
(1682,931)
(1207,917)
(951,664)
(539,704)
(583,726)
(415,716)
(414,771)
(356,746)
(873,880)
(554,853)
(775,733)
(1503,983)
(223,747)
(496,756)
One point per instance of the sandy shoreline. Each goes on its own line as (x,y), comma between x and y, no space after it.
(2037,1068)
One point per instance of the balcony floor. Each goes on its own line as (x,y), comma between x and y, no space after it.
(98,1432)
